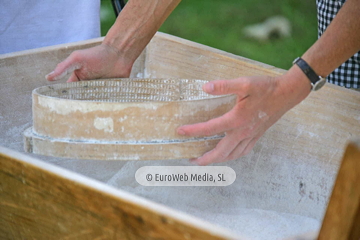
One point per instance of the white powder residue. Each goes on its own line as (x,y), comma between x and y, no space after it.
(258,224)
(70,69)
(106,124)
(63,106)
(251,223)
(123,118)
(262,115)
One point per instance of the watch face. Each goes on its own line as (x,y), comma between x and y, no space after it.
(319,84)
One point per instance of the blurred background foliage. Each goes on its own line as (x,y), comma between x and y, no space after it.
(219,24)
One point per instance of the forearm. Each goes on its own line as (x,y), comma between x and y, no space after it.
(137,24)
(339,42)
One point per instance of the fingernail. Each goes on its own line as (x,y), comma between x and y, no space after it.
(209,87)
(181,132)
(46,77)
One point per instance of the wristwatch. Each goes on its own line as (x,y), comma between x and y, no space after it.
(316,81)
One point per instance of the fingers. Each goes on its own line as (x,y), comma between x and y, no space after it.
(62,69)
(221,151)
(212,127)
(226,150)
(73,78)
(250,146)
(229,148)
(233,86)
(242,149)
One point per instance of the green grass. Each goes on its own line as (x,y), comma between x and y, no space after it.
(219,24)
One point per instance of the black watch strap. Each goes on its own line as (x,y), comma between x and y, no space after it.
(316,81)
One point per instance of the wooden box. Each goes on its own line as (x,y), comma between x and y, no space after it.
(290,171)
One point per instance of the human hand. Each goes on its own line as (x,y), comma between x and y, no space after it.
(102,61)
(261,101)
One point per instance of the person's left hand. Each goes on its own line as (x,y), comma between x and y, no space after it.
(102,61)
(261,101)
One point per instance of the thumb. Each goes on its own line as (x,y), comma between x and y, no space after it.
(63,68)
(221,87)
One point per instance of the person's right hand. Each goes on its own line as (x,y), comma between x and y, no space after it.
(261,101)
(102,61)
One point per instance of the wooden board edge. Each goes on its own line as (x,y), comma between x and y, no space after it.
(342,217)
(75,45)
(305,236)
(177,218)
(245,61)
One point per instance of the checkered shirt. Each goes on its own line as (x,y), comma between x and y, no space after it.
(348,74)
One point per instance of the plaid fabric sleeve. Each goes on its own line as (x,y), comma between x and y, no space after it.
(348,74)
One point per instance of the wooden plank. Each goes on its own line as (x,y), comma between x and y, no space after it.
(41,201)
(169,56)
(342,218)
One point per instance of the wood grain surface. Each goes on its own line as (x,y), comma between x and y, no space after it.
(342,218)
(41,201)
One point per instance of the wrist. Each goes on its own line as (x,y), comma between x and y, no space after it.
(316,81)
(294,85)
(122,45)
(120,64)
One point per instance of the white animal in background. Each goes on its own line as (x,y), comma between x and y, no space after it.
(274,26)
